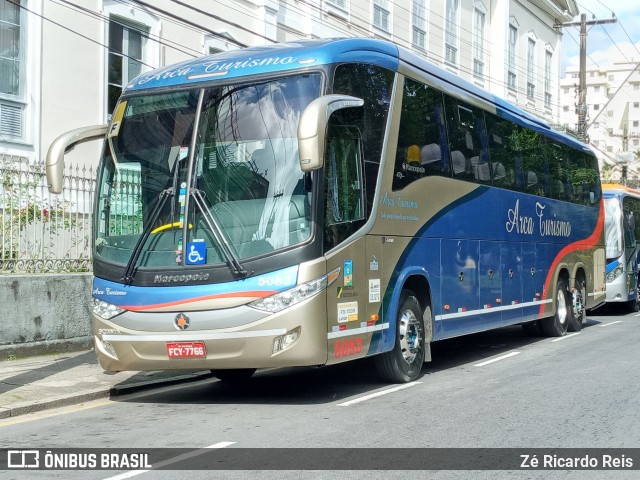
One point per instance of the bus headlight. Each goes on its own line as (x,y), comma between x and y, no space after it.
(615,273)
(288,298)
(105,310)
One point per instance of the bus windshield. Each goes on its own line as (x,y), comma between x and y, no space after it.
(613,228)
(244,185)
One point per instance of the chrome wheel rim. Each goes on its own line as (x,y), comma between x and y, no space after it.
(561,307)
(410,338)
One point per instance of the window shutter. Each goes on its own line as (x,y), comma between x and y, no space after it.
(10,120)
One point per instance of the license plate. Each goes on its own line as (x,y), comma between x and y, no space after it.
(186,350)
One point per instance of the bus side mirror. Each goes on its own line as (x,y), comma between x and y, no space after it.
(64,144)
(313,126)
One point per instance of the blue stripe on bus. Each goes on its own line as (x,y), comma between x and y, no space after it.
(154,296)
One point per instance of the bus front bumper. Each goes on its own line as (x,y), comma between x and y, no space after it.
(284,341)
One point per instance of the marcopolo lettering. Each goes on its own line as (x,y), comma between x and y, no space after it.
(194,277)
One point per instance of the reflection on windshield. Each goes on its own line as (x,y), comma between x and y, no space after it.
(613,228)
(246,169)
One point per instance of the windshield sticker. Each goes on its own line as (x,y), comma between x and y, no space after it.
(197,253)
(348,273)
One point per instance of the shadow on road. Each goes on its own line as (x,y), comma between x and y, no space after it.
(319,385)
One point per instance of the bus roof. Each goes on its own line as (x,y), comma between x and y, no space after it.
(614,188)
(281,57)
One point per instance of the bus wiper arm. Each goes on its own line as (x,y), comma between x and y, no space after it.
(131,264)
(219,236)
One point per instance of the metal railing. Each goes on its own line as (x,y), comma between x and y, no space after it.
(41,232)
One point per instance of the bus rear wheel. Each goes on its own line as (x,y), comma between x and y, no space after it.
(578,307)
(404,362)
(557,325)
(234,375)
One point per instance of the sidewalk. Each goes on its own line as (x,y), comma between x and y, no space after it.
(50,381)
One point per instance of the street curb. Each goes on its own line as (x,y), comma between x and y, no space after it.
(95,394)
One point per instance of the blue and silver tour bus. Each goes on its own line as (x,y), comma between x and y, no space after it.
(316,202)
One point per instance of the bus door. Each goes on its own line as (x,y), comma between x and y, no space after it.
(490,283)
(460,286)
(512,274)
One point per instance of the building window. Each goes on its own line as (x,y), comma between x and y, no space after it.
(636,104)
(12,62)
(596,89)
(565,90)
(565,108)
(419,20)
(635,123)
(636,141)
(126,45)
(511,57)
(547,78)
(478,42)
(531,86)
(596,106)
(636,86)
(451,32)
(381,15)
(341,4)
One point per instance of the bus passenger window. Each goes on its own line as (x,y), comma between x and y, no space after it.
(504,151)
(467,142)
(421,135)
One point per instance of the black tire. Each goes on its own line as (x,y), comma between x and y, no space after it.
(557,325)
(404,362)
(532,329)
(578,311)
(234,375)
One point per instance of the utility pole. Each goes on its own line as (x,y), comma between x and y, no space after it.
(582,75)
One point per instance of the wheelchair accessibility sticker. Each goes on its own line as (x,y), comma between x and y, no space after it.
(196,253)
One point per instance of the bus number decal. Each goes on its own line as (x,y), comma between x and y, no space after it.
(274,281)
(346,348)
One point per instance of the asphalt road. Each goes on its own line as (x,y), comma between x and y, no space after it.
(494,390)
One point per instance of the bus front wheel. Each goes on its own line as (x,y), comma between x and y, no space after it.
(404,362)
(557,325)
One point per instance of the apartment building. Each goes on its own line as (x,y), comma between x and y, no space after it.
(64,62)
(613,111)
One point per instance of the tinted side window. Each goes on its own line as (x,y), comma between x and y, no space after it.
(505,153)
(535,176)
(422,136)
(467,142)
(631,211)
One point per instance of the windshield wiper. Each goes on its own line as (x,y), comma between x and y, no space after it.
(219,236)
(131,264)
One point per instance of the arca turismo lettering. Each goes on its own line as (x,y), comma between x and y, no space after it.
(399,201)
(526,225)
(221,66)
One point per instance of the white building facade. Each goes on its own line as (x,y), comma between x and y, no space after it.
(64,62)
